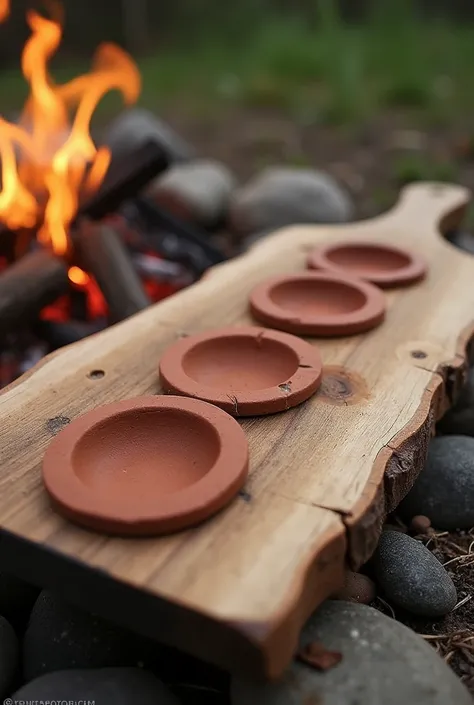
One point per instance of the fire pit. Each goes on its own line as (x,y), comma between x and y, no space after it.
(80,246)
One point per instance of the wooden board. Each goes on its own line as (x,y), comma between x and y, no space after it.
(237,589)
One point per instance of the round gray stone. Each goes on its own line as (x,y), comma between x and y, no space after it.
(198,191)
(460,419)
(444,490)
(136,126)
(383,662)
(61,636)
(282,196)
(114,686)
(412,577)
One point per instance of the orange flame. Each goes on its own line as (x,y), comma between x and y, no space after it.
(4,9)
(48,161)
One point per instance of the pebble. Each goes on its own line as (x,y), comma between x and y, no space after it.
(411,577)
(136,126)
(420,524)
(444,490)
(198,191)
(16,600)
(60,636)
(282,196)
(357,588)
(9,657)
(110,686)
(460,419)
(382,662)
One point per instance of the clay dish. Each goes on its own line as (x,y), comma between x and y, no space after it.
(245,370)
(318,303)
(384,265)
(144,466)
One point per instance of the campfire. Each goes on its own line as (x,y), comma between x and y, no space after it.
(81,247)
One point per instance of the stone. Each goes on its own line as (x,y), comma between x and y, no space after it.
(16,600)
(382,662)
(9,657)
(411,577)
(282,196)
(420,524)
(61,636)
(198,191)
(459,420)
(117,686)
(444,490)
(135,126)
(357,588)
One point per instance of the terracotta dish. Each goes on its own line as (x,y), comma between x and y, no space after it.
(245,370)
(318,303)
(150,465)
(384,265)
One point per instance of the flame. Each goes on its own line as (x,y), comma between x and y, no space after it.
(4,9)
(49,160)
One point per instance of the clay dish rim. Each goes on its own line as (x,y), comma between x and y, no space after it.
(162,513)
(361,320)
(415,270)
(291,391)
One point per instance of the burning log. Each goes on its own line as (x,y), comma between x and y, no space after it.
(101,252)
(125,180)
(28,285)
(39,277)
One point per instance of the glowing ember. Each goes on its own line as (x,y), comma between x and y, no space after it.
(49,160)
(78,276)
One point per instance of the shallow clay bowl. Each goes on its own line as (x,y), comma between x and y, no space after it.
(381,264)
(318,303)
(245,370)
(150,465)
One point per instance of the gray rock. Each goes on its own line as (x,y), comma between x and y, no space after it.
(198,191)
(111,686)
(61,636)
(383,662)
(460,419)
(16,600)
(444,490)
(9,657)
(412,577)
(283,196)
(135,126)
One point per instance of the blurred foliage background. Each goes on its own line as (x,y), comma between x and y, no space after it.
(379,92)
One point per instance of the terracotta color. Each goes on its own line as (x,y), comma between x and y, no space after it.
(245,370)
(381,264)
(149,465)
(318,303)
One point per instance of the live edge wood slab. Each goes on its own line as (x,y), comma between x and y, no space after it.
(237,590)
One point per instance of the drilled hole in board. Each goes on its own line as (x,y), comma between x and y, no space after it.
(419,354)
(96,374)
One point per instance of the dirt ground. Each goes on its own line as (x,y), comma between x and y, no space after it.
(372,160)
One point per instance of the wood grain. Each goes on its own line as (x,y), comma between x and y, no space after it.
(237,589)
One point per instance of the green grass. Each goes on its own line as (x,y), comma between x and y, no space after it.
(330,72)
